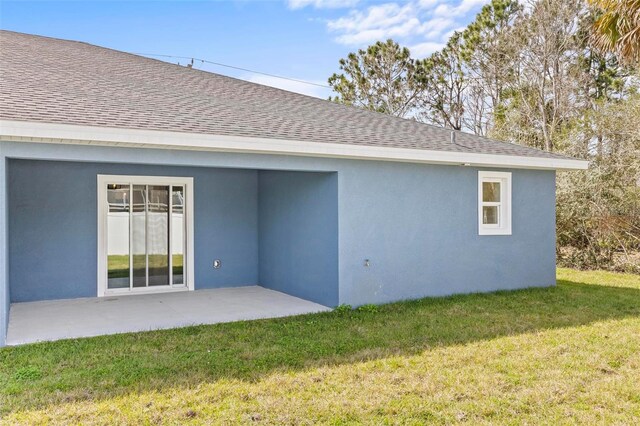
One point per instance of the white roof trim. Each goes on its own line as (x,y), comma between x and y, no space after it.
(93,135)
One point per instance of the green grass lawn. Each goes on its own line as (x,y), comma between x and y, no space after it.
(563,355)
(118,265)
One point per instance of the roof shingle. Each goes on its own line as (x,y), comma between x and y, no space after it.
(58,81)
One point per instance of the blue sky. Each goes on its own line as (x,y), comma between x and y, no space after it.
(302,39)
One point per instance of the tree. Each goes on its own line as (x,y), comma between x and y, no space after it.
(444,80)
(489,56)
(617,29)
(380,78)
(542,95)
(598,212)
(466,79)
(603,83)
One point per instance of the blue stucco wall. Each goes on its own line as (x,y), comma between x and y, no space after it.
(4,269)
(417,224)
(53,226)
(298,234)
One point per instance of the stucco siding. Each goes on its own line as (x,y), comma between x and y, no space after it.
(53,226)
(298,234)
(4,266)
(418,226)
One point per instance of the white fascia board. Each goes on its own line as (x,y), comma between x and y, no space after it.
(92,135)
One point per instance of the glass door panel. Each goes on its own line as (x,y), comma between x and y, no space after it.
(139,236)
(158,235)
(177,234)
(118,261)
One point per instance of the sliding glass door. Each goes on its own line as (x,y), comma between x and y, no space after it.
(146,233)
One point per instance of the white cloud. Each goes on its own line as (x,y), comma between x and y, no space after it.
(423,24)
(378,23)
(426,4)
(434,28)
(370,35)
(446,9)
(292,86)
(422,50)
(322,4)
(376,17)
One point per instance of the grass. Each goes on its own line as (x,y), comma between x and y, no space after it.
(563,355)
(118,265)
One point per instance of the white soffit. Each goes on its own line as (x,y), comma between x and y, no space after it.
(91,135)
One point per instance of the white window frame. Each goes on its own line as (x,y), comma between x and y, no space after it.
(504,212)
(187,182)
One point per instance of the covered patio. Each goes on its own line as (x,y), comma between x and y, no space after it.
(182,246)
(31,322)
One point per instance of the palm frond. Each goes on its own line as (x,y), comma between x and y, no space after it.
(617,29)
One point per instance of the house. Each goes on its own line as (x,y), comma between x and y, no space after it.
(122,175)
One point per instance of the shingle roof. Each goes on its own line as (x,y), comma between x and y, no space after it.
(58,81)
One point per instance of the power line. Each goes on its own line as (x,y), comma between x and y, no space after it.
(204,61)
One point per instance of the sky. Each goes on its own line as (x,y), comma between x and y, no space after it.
(300,39)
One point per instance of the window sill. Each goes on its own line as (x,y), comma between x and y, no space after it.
(494,231)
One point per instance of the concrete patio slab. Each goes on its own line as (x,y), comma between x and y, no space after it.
(62,319)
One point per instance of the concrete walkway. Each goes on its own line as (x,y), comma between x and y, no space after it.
(61,319)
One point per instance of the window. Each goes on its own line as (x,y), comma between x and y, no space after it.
(494,203)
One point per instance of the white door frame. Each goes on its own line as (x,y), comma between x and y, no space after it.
(102,206)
